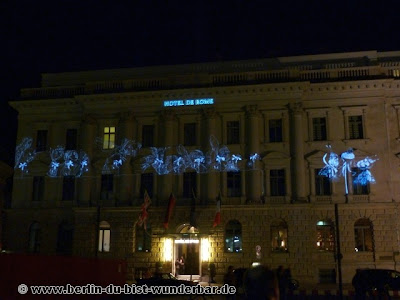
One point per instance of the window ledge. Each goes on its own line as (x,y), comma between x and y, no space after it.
(365,141)
(324,142)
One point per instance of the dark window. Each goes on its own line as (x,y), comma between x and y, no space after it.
(65,239)
(275,131)
(38,188)
(279,236)
(327,276)
(233,236)
(109,138)
(189,134)
(277,181)
(143,238)
(41,140)
(104,236)
(146,183)
(325,236)
(233,184)
(322,184)
(232,134)
(71,139)
(360,184)
(34,237)
(107,186)
(189,184)
(363,235)
(68,188)
(356,127)
(319,129)
(147,136)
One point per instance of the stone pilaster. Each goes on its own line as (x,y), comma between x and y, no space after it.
(253,182)
(297,152)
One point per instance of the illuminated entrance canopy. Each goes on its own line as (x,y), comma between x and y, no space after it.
(189,102)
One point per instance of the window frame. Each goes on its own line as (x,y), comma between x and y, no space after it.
(148,140)
(189,184)
(271,181)
(233,184)
(325,235)
(362,226)
(319,129)
(236,231)
(38,186)
(42,140)
(103,246)
(34,237)
(272,137)
(144,236)
(190,134)
(71,139)
(275,227)
(321,181)
(109,135)
(144,187)
(232,132)
(68,183)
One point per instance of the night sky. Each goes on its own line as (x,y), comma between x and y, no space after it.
(58,36)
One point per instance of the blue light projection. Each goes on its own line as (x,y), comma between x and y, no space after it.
(67,162)
(120,154)
(252,160)
(332,167)
(24,155)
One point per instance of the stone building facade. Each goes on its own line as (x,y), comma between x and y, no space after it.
(276,209)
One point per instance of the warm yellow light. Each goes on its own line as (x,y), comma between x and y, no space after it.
(186,241)
(205,249)
(168,250)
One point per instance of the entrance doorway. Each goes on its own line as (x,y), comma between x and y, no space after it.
(187,252)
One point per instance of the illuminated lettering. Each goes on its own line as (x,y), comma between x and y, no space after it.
(188,102)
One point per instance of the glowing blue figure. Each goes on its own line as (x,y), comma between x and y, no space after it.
(198,161)
(56,155)
(23,156)
(83,164)
(217,155)
(231,165)
(71,163)
(156,160)
(252,160)
(331,166)
(364,176)
(347,159)
(120,154)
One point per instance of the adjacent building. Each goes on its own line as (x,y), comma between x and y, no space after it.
(258,136)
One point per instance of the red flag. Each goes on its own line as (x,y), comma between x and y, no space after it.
(217,218)
(171,205)
(144,214)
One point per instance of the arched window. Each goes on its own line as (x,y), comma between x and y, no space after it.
(325,235)
(233,236)
(34,237)
(65,238)
(363,235)
(279,234)
(104,236)
(143,238)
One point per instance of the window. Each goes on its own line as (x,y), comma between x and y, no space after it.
(233,236)
(68,188)
(71,139)
(279,235)
(277,182)
(143,238)
(319,129)
(109,138)
(325,235)
(327,275)
(233,184)
(189,134)
(38,188)
(34,237)
(104,236)
(275,131)
(232,133)
(356,127)
(189,184)
(363,235)
(147,136)
(41,140)
(360,186)
(146,183)
(322,184)
(65,238)
(107,186)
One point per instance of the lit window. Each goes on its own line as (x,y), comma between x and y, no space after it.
(275,131)
(277,182)
(189,134)
(322,184)
(356,127)
(143,238)
(233,236)
(279,234)
(38,188)
(359,188)
(319,129)
(233,129)
(234,184)
(41,140)
(104,236)
(325,235)
(34,237)
(109,138)
(363,235)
